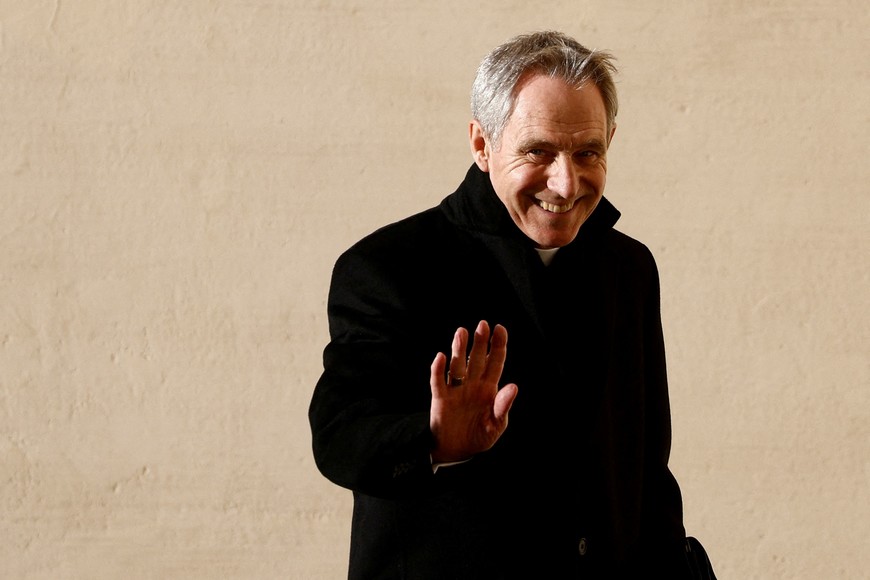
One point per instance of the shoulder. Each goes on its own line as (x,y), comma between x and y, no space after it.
(628,246)
(415,230)
(402,250)
(622,255)
(418,237)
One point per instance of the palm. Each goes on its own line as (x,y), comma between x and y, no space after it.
(469,419)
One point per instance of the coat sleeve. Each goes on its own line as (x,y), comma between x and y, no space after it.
(369,414)
(681,556)
(663,512)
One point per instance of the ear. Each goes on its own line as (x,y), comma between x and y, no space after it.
(610,138)
(479,146)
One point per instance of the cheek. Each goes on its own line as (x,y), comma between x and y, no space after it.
(528,181)
(517,186)
(594,182)
(599,184)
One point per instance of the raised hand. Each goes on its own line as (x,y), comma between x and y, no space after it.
(469,412)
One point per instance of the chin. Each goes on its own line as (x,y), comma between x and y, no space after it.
(549,243)
(554,240)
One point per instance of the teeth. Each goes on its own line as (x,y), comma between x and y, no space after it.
(555,208)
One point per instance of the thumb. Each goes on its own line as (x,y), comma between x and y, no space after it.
(504,399)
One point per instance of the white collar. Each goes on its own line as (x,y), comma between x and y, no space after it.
(547,255)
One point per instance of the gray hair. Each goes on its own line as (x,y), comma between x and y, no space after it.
(494,92)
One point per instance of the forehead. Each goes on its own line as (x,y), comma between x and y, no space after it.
(546,105)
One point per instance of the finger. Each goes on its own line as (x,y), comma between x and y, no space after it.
(497,354)
(477,358)
(436,375)
(458,368)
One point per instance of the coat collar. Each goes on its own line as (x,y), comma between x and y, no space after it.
(475,208)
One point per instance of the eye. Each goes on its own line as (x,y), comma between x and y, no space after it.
(587,155)
(538,153)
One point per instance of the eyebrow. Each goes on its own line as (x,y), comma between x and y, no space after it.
(529,144)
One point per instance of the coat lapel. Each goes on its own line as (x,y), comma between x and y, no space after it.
(475,208)
(522,268)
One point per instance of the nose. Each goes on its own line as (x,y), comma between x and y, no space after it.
(563,179)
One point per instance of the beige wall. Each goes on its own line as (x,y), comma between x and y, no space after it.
(177,179)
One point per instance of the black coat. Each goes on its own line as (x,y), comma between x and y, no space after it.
(578,486)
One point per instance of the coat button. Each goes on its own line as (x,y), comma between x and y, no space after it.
(583,546)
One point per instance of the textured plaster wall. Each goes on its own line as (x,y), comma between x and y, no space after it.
(177,178)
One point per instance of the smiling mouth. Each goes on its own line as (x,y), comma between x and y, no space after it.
(552,208)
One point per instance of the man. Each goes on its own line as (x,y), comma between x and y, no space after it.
(576,484)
